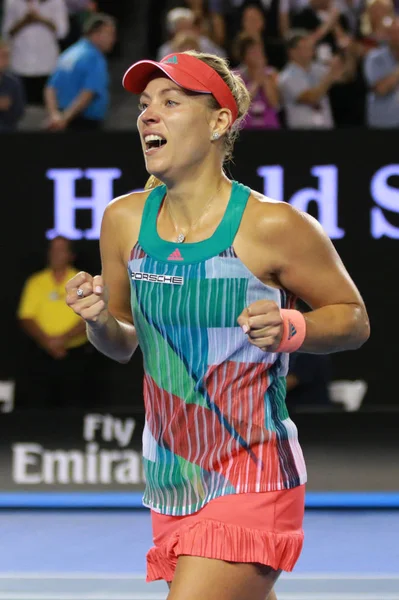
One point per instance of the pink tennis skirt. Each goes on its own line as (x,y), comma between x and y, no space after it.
(262,527)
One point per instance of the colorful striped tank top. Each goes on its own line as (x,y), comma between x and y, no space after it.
(216,420)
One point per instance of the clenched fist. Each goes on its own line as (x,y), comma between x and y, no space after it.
(88,297)
(263,324)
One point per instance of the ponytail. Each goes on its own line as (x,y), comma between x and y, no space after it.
(152,182)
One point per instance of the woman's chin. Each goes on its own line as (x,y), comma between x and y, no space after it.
(156,170)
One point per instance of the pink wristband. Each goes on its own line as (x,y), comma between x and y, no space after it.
(294,330)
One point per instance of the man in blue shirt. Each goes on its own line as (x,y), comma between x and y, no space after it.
(77,94)
(381,69)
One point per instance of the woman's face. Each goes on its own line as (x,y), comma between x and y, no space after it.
(182,123)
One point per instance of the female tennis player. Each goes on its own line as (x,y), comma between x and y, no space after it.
(202,273)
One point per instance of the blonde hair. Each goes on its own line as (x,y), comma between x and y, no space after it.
(241,96)
(152,182)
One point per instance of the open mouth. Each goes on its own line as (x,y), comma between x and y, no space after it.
(153,142)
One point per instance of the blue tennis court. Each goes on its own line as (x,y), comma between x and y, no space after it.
(100,555)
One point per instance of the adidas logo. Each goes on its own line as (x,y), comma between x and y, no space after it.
(175,255)
(171,59)
(292,331)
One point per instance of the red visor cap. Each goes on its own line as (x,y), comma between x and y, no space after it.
(185,70)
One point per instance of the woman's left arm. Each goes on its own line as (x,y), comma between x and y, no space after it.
(308,266)
(312,270)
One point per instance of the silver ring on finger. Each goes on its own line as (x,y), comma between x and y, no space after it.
(80,293)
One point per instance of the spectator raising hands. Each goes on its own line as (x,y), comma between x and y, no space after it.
(261,81)
(331,36)
(255,25)
(304,85)
(33,28)
(326,23)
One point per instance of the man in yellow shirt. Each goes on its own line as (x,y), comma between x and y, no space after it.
(58,364)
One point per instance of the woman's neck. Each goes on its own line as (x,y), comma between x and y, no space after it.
(188,198)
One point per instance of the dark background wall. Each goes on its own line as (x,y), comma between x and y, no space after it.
(348,180)
(42,173)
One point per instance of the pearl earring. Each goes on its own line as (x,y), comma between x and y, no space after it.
(215,135)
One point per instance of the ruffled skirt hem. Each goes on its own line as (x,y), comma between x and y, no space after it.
(232,543)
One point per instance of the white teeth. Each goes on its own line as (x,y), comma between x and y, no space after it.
(153,138)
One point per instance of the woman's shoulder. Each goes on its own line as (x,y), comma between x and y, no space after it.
(273,217)
(122,220)
(264,204)
(128,206)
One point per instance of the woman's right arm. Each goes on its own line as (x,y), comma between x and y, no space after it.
(106,303)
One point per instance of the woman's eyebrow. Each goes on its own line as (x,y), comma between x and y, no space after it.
(164,91)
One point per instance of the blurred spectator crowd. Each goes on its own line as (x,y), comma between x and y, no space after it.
(309,64)
(52,56)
